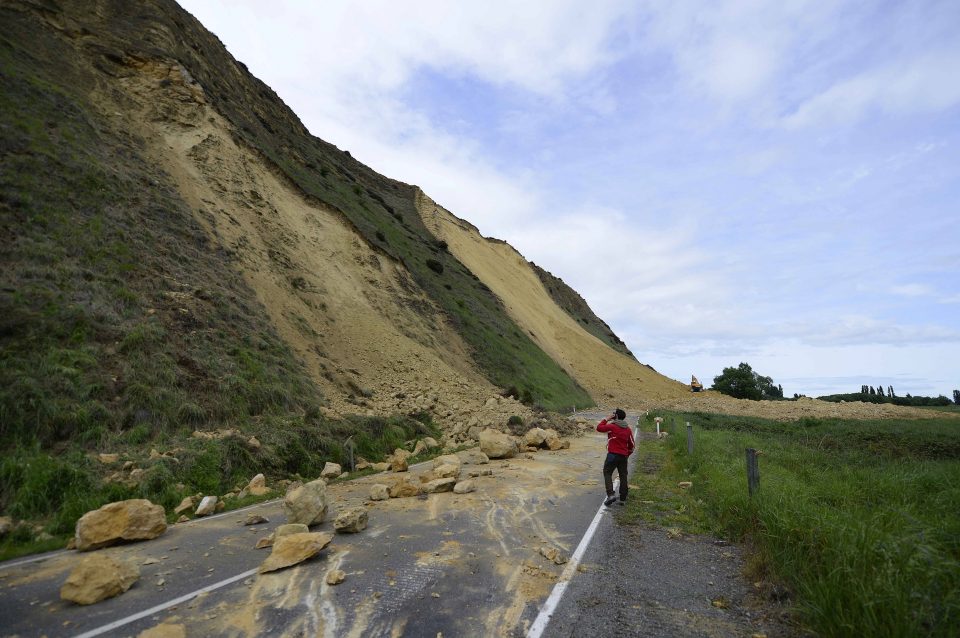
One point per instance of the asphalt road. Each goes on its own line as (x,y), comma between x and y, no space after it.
(456,565)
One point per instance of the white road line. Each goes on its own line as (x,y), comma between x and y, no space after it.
(550,606)
(540,623)
(33,559)
(176,601)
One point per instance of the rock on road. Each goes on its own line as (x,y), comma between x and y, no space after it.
(460,565)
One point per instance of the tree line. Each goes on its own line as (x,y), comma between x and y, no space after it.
(742,382)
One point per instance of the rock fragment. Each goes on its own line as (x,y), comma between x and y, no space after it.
(131,520)
(293,549)
(497,445)
(336,576)
(98,577)
(207,506)
(307,504)
(351,521)
(379,492)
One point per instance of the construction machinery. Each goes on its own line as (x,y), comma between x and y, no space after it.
(695,386)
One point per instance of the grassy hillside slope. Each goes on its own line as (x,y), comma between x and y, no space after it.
(613,377)
(382,210)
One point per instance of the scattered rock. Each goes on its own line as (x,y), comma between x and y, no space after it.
(183,518)
(294,549)
(255,519)
(419,448)
(263,543)
(497,445)
(336,576)
(398,462)
(685,484)
(331,470)
(98,577)
(351,521)
(108,459)
(473,456)
(439,485)
(381,467)
(553,440)
(132,520)
(253,443)
(535,437)
(464,487)
(402,488)
(257,485)
(136,475)
(379,492)
(446,466)
(207,506)
(290,528)
(307,504)
(185,505)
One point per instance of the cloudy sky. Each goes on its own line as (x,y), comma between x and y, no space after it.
(723,181)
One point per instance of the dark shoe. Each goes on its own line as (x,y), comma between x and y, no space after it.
(610,500)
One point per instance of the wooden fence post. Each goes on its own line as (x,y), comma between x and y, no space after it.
(689,438)
(753,471)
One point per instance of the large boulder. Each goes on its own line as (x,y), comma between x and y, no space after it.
(473,456)
(553,440)
(98,577)
(399,460)
(497,445)
(465,487)
(133,520)
(535,437)
(294,549)
(258,485)
(439,485)
(351,521)
(402,488)
(331,470)
(207,506)
(446,466)
(379,492)
(307,504)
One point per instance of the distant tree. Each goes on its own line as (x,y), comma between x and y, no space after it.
(890,391)
(880,390)
(872,391)
(743,383)
(956,397)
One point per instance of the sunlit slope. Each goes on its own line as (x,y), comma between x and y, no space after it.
(609,376)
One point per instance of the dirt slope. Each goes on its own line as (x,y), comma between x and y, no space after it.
(355,316)
(610,377)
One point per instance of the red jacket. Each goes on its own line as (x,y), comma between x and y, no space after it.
(619,437)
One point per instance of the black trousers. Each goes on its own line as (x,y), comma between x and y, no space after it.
(618,462)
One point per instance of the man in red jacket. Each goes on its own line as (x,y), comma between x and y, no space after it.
(619,448)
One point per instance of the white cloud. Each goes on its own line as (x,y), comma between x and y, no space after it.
(924,84)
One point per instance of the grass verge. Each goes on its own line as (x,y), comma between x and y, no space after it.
(861,519)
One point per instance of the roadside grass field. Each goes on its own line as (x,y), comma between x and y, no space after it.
(859,519)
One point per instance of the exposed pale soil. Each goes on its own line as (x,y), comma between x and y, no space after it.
(368,334)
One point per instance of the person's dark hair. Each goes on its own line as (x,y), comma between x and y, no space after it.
(620,414)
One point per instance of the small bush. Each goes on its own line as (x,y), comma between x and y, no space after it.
(515,420)
(435,266)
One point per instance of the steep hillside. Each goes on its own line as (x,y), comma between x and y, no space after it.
(123,39)
(611,377)
(576,306)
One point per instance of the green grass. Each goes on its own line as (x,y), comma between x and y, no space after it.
(860,518)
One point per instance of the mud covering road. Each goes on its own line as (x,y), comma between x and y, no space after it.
(456,565)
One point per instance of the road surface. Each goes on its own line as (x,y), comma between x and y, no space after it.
(456,565)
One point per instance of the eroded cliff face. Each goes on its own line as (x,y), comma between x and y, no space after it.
(610,377)
(348,265)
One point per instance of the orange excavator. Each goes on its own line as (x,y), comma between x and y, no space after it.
(695,386)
